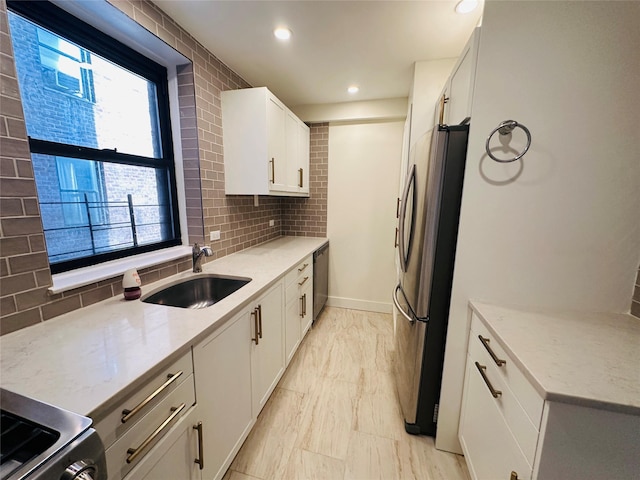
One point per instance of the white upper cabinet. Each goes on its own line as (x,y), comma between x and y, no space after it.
(266,147)
(455,102)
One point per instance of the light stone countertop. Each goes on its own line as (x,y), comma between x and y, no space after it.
(589,359)
(87,360)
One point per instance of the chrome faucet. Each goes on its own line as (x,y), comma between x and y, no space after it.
(197,253)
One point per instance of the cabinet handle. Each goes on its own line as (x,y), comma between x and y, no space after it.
(300,173)
(494,392)
(255,325)
(485,342)
(260,319)
(444,99)
(513,476)
(127,414)
(397,208)
(395,242)
(273,169)
(304,310)
(303,267)
(302,306)
(134,452)
(200,459)
(303,281)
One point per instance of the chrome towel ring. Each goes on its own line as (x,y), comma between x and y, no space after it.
(505,128)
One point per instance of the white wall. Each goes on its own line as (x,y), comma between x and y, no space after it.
(559,229)
(364,159)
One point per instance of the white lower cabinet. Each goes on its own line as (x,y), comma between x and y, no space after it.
(509,432)
(267,349)
(222,365)
(177,456)
(489,447)
(299,305)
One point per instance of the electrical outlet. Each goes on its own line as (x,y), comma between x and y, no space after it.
(272,223)
(214,235)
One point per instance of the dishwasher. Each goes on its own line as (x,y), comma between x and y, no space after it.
(320,279)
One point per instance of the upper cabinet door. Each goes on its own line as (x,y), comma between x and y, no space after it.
(461,83)
(278,150)
(263,150)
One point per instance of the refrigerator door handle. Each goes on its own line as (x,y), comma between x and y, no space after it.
(411,319)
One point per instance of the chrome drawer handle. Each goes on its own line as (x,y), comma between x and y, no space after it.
(127,414)
(494,392)
(303,267)
(134,452)
(485,342)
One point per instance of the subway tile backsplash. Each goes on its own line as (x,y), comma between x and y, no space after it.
(24,268)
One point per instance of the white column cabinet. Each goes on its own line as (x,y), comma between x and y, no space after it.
(267,350)
(266,147)
(222,365)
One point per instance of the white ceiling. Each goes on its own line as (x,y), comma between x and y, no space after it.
(372,44)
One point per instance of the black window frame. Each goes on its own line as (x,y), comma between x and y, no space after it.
(55,19)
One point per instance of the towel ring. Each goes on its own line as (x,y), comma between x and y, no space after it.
(505,128)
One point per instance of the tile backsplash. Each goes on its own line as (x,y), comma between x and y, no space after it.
(24,269)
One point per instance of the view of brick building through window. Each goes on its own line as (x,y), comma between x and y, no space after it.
(75,97)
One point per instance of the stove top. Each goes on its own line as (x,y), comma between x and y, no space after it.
(33,432)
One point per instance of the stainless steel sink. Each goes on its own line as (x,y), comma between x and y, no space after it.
(198,292)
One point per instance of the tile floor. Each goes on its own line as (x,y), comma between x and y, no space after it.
(334,414)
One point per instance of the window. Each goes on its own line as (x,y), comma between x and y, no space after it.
(97,116)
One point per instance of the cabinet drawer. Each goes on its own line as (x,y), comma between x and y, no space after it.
(526,395)
(112,426)
(175,404)
(490,450)
(521,427)
(297,273)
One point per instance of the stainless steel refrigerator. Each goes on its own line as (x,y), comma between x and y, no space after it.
(428,230)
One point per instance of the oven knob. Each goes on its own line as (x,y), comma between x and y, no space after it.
(81,470)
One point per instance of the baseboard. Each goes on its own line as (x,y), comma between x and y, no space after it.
(356,304)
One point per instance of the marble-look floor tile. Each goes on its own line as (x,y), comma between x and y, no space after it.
(305,465)
(378,414)
(267,449)
(335,413)
(233,475)
(328,418)
(370,458)
(419,459)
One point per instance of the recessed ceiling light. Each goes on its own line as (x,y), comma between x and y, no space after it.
(282,33)
(353,89)
(466,6)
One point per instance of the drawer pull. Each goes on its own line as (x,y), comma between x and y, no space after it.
(134,452)
(127,414)
(494,392)
(200,459)
(303,267)
(304,305)
(513,476)
(303,281)
(259,308)
(485,342)
(254,314)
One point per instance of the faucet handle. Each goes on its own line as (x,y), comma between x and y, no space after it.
(208,251)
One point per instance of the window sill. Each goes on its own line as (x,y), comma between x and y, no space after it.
(96,273)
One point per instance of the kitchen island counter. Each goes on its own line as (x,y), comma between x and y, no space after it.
(87,360)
